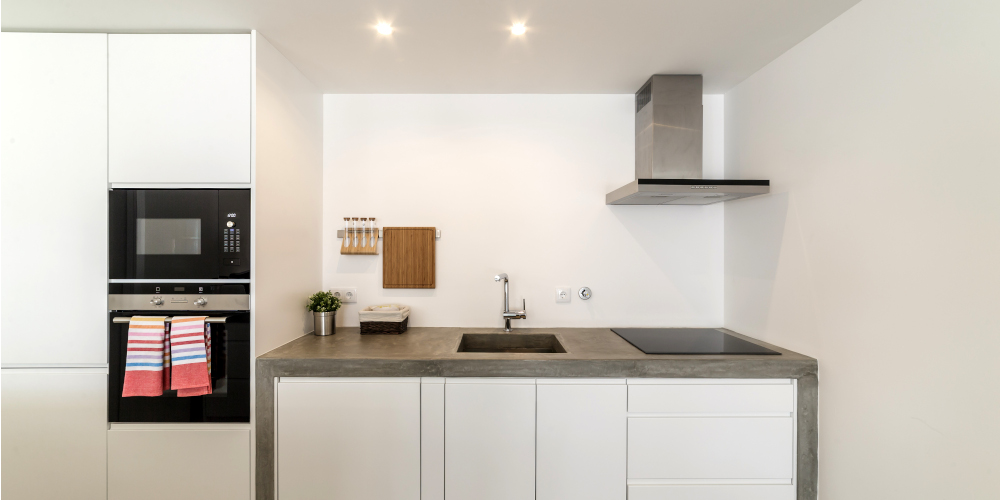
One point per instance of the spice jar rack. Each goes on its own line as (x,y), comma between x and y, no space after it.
(359,239)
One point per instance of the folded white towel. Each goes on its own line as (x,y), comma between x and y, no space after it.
(388,312)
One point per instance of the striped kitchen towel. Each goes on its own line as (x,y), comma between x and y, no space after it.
(144,357)
(188,357)
(166,356)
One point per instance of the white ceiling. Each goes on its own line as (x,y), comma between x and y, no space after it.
(465,46)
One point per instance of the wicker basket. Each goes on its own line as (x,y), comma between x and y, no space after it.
(384,322)
(384,327)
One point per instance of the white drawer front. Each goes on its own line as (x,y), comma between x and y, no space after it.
(710,448)
(703,398)
(712,492)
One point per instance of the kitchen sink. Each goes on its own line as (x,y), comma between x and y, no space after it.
(510,342)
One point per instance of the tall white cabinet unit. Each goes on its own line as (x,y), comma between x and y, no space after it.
(54,198)
(180,108)
(349,438)
(167,462)
(54,434)
(53,117)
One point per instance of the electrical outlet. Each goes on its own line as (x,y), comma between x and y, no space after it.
(563,294)
(346,295)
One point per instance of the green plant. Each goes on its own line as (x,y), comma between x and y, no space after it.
(323,302)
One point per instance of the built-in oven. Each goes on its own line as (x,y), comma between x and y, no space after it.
(164,234)
(226,307)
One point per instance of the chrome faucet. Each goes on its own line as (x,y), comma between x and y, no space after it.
(507,314)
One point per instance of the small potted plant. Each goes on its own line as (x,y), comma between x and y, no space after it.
(324,307)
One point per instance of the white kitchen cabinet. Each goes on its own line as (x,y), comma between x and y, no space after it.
(171,461)
(54,433)
(712,492)
(710,448)
(709,439)
(489,439)
(179,108)
(581,445)
(348,438)
(432,438)
(684,396)
(54,196)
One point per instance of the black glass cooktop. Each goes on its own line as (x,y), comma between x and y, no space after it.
(688,341)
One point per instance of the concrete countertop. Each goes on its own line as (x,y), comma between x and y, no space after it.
(591,353)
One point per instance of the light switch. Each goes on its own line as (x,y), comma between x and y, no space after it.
(563,294)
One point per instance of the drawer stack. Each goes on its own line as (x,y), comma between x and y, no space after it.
(698,439)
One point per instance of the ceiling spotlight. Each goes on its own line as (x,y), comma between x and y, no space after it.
(384,28)
(517,29)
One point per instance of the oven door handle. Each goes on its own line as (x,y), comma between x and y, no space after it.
(211,319)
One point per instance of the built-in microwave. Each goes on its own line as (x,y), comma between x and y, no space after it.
(171,234)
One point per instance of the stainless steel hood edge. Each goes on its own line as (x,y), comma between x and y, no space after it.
(668,150)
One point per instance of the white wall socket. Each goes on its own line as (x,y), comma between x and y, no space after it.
(563,294)
(346,295)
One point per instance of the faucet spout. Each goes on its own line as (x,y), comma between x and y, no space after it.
(507,314)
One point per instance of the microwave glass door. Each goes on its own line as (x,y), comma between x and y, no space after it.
(165,234)
(168,236)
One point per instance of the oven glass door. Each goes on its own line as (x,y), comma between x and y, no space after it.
(165,234)
(230,374)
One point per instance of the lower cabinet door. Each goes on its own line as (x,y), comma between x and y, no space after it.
(489,439)
(712,492)
(710,448)
(581,443)
(54,433)
(172,461)
(355,438)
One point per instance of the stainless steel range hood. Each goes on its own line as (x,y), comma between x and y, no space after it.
(668,146)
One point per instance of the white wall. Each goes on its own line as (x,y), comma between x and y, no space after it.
(516,184)
(288,179)
(877,251)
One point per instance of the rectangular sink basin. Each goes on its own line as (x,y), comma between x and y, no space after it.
(510,342)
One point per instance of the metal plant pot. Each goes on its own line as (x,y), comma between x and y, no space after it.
(323,323)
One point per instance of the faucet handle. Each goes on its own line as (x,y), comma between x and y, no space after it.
(524,307)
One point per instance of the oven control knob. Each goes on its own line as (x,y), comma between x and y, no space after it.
(200,301)
(229,224)
(157,301)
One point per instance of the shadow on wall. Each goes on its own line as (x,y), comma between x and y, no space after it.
(368,264)
(358,264)
(754,232)
(678,240)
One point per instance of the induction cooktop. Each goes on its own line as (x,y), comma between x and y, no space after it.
(688,341)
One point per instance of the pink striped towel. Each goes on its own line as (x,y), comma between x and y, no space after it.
(144,357)
(188,357)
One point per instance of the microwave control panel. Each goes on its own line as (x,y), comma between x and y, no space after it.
(234,218)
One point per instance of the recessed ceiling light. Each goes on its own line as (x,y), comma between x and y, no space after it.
(517,29)
(384,28)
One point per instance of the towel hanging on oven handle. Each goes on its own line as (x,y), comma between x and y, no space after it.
(213,319)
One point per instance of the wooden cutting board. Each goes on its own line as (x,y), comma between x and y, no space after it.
(408,257)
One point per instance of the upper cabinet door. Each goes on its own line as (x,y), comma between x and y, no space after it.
(54,198)
(179,108)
